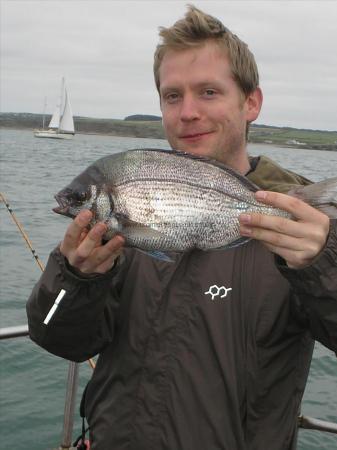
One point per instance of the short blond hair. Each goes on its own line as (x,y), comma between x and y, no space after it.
(194,30)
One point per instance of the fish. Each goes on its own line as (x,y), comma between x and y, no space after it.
(170,201)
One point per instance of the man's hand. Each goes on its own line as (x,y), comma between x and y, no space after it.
(298,241)
(84,249)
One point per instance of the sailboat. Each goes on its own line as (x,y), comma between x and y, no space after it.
(61,125)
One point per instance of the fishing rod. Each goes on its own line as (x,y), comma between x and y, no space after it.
(30,246)
(23,233)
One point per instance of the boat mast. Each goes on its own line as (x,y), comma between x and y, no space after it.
(44,113)
(61,103)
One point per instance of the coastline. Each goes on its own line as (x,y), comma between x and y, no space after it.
(152,129)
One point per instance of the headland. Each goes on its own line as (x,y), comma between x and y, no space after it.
(146,126)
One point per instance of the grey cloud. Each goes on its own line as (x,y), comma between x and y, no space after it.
(105,50)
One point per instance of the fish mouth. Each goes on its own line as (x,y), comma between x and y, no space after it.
(63,206)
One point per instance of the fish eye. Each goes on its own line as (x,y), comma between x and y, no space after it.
(81,196)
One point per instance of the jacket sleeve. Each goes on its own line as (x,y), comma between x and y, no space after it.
(315,292)
(83,323)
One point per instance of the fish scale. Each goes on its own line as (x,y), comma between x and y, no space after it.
(166,200)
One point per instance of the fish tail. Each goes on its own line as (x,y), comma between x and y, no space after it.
(321,195)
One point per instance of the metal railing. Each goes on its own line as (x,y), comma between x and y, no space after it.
(71,388)
(12,332)
(310,423)
(304,422)
(69,405)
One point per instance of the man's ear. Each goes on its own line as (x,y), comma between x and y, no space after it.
(254,104)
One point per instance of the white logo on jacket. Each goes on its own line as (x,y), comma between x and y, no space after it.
(215,291)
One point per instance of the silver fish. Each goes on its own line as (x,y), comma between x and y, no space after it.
(164,200)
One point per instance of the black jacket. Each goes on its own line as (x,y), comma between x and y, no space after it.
(210,352)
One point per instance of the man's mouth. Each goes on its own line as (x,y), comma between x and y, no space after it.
(195,136)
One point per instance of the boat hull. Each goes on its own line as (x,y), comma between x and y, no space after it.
(52,135)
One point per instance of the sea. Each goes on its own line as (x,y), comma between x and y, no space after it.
(32,381)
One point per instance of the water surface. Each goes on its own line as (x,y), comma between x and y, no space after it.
(33,381)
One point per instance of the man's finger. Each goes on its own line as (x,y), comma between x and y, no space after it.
(108,251)
(115,243)
(275,223)
(93,238)
(109,262)
(101,258)
(74,231)
(273,238)
(295,260)
(296,207)
(83,234)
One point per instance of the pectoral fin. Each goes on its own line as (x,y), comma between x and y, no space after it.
(138,229)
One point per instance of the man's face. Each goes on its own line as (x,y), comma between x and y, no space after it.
(203,110)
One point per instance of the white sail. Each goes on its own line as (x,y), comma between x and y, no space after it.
(67,121)
(55,119)
(61,125)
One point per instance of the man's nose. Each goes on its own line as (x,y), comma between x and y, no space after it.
(189,109)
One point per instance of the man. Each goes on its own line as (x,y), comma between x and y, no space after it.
(211,351)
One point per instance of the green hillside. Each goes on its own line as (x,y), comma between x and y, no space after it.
(144,126)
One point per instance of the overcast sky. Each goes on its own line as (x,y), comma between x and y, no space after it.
(105,51)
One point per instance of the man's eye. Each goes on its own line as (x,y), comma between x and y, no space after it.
(172,97)
(209,92)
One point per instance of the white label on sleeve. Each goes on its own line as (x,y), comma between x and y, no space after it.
(54,307)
